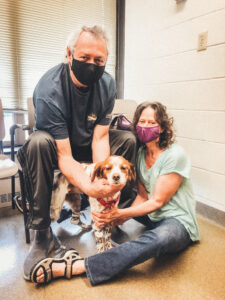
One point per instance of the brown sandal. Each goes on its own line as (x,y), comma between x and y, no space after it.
(46,264)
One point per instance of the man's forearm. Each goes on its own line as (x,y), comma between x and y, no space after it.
(100,149)
(74,172)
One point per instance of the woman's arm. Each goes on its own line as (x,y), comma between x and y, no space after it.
(142,195)
(166,186)
(140,198)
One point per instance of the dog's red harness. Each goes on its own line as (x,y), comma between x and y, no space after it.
(109,204)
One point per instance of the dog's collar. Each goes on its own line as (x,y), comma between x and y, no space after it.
(109,204)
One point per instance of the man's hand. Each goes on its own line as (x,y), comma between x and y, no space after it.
(76,175)
(101,189)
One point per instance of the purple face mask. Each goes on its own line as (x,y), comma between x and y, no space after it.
(147,134)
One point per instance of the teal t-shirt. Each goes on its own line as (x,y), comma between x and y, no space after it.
(182,205)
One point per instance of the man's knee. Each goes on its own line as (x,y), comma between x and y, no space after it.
(40,140)
(129,146)
(130,139)
(123,142)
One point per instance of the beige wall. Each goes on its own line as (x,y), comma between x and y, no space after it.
(162,63)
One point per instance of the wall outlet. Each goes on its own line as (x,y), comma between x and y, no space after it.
(202,41)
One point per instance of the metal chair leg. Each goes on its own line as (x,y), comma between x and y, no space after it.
(25,211)
(13,191)
(12,140)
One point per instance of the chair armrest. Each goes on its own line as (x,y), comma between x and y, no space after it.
(15,126)
(12,136)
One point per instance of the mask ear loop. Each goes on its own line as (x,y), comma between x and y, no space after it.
(72,59)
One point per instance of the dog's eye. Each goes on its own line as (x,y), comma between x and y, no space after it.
(123,168)
(108,168)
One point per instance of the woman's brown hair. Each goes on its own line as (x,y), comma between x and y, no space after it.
(166,137)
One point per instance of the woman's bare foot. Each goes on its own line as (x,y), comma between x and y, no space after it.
(58,270)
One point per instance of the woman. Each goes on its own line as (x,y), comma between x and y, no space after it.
(164,204)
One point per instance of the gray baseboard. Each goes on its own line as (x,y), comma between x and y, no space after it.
(210,213)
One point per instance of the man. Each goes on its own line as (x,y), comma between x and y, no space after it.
(73,104)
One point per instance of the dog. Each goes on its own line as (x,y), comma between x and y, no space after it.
(117,170)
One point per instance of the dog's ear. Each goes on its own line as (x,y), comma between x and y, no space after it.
(98,171)
(131,172)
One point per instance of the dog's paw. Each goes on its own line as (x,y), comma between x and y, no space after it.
(77,221)
(100,248)
(54,214)
(86,226)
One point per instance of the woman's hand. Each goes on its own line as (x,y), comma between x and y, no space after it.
(107,216)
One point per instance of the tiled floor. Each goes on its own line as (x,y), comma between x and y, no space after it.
(197,273)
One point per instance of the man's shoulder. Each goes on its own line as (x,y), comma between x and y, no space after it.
(52,73)
(107,86)
(49,82)
(107,76)
(107,80)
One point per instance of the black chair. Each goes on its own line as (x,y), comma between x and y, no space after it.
(21,201)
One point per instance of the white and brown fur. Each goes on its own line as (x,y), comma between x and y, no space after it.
(117,171)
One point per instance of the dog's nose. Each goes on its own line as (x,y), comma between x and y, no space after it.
(116,177)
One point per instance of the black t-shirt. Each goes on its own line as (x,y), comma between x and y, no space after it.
(65,111)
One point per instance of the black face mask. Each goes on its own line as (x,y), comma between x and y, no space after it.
(86,73)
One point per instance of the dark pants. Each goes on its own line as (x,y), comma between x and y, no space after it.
(38,159)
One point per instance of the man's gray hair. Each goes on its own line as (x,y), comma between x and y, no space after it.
(97,31)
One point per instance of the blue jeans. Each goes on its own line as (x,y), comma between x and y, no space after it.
(166,236)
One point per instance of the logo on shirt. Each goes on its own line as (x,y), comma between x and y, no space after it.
(92,118)
(109,116)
